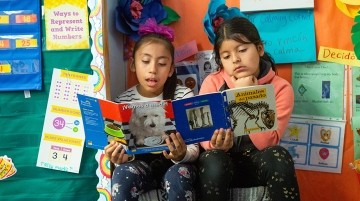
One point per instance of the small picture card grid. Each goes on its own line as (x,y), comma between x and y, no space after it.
(7,167)
(322,140)
(295,140)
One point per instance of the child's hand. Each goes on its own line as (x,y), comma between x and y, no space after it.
(222,139)
(244,81)
(116,153)
(177,147)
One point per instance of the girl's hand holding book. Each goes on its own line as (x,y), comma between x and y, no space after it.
(222,139)
(116,153)
(177,147)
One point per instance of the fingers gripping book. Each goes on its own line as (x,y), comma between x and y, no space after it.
(143,126)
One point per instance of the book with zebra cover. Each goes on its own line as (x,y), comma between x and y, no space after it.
(143,126)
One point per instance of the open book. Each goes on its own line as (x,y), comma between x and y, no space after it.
(143,126)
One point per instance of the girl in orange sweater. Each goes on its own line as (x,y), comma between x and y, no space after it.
(250,160)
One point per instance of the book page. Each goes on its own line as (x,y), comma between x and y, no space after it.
(141,126)
(199,116)
(251,109)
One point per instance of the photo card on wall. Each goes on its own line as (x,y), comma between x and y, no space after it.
(188,75)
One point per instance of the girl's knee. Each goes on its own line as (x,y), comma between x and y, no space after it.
(128,171)
(213,155)
(119,170)
(180,171)
(278,155)
(179,181)
(215,164)
(277,152)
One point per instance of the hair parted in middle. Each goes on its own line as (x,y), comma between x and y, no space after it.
(154,33)
(241,30)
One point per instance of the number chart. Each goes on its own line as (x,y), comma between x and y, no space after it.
(20,38)
(63,135)
(66,90)
(60,154)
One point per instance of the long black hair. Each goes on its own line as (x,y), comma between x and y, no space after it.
(241,30)
(171,82)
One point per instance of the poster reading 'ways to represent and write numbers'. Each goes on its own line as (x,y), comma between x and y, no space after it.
(63,136)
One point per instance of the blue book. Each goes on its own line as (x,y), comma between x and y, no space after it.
(143,126)
(245,110)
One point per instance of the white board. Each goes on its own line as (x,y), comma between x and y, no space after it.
(262,5)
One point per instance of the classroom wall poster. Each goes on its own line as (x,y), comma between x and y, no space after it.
(315,133)
(188,75)
(184,51)
(20,45)
(283,39)
(355,112)
(338,56)
(315,145)
(206,62)
(263,5)
(355,91)
(319,90)
(355,126)
(66,24)
(63,136)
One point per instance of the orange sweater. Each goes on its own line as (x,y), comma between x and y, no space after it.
(284,95)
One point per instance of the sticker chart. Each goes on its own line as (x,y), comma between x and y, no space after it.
(315,144)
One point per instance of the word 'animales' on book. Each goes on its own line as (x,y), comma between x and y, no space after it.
(143,126)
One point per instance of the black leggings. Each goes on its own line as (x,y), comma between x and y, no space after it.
(272,167)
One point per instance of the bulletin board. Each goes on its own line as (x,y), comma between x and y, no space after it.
(21,122)
(21,119)
(332,29)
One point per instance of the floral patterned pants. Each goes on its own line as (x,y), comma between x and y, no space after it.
(131,179)
(272,167)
